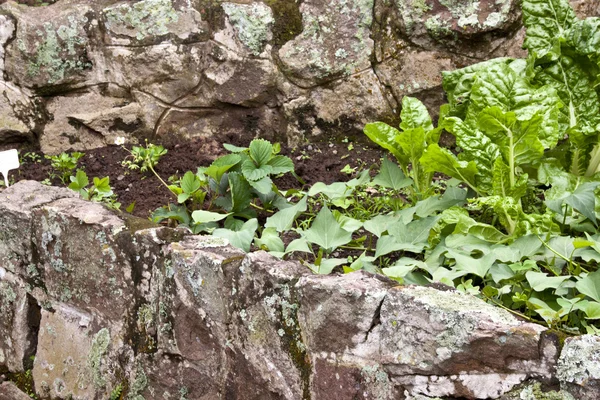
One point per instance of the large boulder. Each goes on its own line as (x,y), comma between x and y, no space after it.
(578,367)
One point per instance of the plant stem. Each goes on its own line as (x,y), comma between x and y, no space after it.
(161,180)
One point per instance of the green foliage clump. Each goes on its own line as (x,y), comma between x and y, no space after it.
(63,165)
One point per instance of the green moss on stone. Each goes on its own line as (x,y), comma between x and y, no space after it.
(288,20)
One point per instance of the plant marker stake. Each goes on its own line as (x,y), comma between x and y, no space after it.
(9,159)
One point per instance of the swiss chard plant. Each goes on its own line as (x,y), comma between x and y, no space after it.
(408,144)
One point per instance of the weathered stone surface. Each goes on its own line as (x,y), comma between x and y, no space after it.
(149,22)
(269,359)
(252,24)
(339,318)
(8,391)
(578,367)
(334,43)
(439,343)
(19,324)
(51,46)
(72,359)
(79,244)
(16,206)
(345,106)
(90,119)
(112,304)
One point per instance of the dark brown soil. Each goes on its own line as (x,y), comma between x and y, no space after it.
(314,162)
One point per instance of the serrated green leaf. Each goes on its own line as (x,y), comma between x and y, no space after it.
(261,151)
(240,192)
(253,172)
(221,165)
(263,186)
(79,181)
(391,176)
(190,182)
(281,164)
(242,239)
(326,232)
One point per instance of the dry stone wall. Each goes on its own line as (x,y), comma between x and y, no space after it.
(75,74)
(95,304)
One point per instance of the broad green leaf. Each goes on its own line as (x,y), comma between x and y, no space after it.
(549,314)
(547,23)
(283,220)
(583,200)
(584,36)
(452,196)
(458,84)
(202,216)
(364,262)
(540,281)
(242,239)
(347,223)
(336,190)
(270,241)
(436,159)
(500,272)
(590,285)
(391,176)
(175,212)
(412,237)
(298,245)
(261,151)
(590,308)
(475,266)
(385,136)
(412,142)
(379,224)
(326,232)
(281,164)
(414,114)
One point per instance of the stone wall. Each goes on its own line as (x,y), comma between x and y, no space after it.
(98,305)
(75,74)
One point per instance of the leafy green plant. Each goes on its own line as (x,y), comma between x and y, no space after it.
(63,165)
(408,144)
(144,157)
(230,187)
(100,190)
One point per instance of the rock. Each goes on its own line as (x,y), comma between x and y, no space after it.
(585,8)
(345,106)
(17,203)
(51,49)
(426,335)
(334,43)
(339,321)
(148,22)
(578,367)
(252,24)
(19,324)
(90,119)
(268,358)
(535,391)
(455,21)
(8,391)
(73,360)
(79,244)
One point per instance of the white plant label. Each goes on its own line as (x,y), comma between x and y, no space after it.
(9,159)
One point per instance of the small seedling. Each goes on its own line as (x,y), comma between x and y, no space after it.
(64,164)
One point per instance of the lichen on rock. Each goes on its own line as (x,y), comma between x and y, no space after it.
(252,23)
